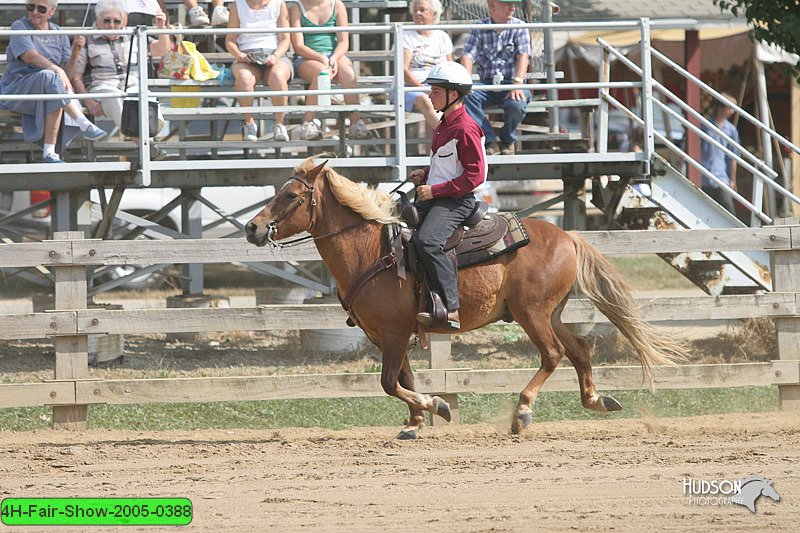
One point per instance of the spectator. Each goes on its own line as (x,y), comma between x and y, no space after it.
(102,62)
(423,50)
(198,17)
(260,56)
(502,58)
(715,160)
(39,65)
(316,52)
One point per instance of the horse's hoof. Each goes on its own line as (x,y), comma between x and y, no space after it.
(522,420)
(441,408)
(407,434)
(610,404)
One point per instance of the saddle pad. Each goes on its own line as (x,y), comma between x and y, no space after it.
(514,237)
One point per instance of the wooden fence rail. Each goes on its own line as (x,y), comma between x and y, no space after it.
(72,391)
(181,251)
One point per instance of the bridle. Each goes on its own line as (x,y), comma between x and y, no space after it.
(272,227)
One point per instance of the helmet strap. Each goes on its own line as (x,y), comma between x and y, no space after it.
(447,102)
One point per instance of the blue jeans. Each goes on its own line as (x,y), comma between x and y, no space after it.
(513,111)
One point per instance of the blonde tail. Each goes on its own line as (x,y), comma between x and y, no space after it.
(611,294)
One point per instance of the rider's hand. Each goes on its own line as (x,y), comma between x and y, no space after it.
(417,176)
(424,192)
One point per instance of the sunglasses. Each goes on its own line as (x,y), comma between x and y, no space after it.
(109,21)
(40,9)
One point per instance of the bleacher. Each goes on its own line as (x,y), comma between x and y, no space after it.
(211,131)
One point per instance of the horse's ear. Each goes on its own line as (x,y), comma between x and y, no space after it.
(314,172)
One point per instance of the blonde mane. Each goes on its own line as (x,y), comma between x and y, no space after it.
(370,203)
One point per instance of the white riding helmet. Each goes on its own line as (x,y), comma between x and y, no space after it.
(450,75)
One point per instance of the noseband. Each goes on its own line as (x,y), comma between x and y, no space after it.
(272,227)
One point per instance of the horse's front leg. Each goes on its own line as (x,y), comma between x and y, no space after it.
(397,379)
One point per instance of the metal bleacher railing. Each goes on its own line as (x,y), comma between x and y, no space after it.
(393,157)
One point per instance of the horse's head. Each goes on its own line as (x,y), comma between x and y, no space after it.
(291,211)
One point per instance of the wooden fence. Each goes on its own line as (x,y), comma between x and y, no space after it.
(72,390)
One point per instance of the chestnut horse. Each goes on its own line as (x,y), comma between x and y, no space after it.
(530,285)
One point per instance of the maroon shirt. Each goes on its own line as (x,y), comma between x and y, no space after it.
(458,156)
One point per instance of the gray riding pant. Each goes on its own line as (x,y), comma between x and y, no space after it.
(440,218)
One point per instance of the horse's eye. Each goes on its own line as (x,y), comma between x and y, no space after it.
(291,195)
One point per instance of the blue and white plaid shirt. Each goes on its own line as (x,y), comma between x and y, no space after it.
(496,51)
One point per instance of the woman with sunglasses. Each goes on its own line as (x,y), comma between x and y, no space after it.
(39,65)
(102,61)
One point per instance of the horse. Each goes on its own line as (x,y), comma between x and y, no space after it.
(754,487)
(530,285)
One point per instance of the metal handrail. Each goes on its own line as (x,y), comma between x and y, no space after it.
(672,146)
(764,174)
(686,107)
(710,90)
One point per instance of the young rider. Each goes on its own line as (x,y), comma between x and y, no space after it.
(445,189)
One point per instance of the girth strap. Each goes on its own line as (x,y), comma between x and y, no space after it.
(387,261)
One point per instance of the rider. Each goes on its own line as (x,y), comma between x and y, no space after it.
(445,189)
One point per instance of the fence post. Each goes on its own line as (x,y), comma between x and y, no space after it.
(440,358)
(786,278)
(72,357)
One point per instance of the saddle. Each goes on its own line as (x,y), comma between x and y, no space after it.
(482,237)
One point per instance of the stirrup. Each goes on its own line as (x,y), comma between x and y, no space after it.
(426,319)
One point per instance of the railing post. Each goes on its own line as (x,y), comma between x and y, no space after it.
(400,110)
(72,351)
(144,106)
(786,278)
(766,146)
(647,91)
(602,129)
(550,64)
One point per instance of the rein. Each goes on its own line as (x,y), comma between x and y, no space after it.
(300,240)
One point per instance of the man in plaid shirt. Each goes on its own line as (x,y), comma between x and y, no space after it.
(502,58)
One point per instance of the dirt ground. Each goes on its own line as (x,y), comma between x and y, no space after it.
(621,475)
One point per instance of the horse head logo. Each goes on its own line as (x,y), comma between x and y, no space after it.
(752,488)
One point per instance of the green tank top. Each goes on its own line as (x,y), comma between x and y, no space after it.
(319,42)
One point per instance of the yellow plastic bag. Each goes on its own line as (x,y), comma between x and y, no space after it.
(200,70)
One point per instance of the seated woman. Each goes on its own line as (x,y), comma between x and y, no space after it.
(315,52)
(260,56)
(36,65)
(102,62)
(423,50)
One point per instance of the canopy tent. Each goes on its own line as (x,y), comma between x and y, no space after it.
(736,42)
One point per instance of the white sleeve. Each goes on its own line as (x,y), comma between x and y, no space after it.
(407,40)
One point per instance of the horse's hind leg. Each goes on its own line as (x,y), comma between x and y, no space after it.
(578,352)
(538,328)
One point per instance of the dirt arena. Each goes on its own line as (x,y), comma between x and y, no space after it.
(621,475)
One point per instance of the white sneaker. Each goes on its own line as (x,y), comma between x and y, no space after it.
(309,131)
(198,17)
(220,15)
(359,130)
(280,133)
(249,131)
